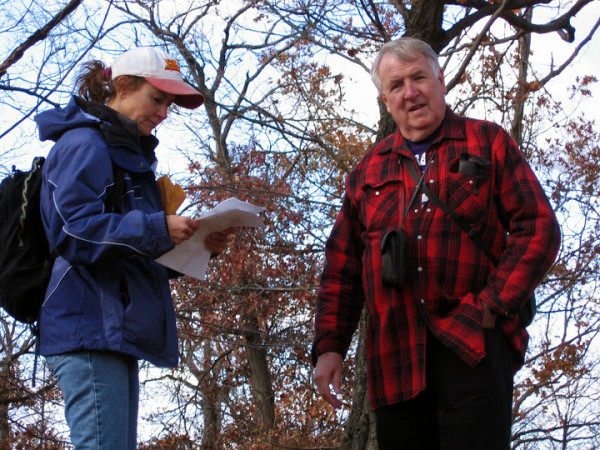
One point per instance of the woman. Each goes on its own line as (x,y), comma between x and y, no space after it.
(108,303)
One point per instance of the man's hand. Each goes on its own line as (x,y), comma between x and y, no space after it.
(489,318)
(329,371)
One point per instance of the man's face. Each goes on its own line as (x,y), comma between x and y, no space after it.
(414,95)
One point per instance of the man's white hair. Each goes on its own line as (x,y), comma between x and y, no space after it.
(404,49)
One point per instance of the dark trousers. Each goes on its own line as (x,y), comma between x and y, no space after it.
(461,409)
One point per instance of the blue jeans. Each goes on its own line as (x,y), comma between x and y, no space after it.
(101,391)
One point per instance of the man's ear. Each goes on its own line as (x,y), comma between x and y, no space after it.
(383,98)
(441,78)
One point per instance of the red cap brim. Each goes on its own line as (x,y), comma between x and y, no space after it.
(185,95)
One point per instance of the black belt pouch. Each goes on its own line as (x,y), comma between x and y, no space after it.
(394,259)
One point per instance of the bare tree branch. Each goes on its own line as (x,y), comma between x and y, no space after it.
(38,36)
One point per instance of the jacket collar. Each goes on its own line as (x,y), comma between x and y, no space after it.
(118,130)
(453,127)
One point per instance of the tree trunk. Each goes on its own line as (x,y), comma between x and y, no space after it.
(516,129)
(260,377)
(211,402)
(359,432)
(386,122)
(4,427)
(211,420)
(424,20)
(5,376)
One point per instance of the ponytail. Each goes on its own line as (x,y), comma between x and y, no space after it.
(94,83)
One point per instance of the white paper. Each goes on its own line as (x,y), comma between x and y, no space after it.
(191,257)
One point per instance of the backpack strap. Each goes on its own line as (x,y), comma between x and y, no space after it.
(460,220)
(420,185)
(528,311)
(116,196)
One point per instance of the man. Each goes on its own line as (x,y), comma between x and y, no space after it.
(442,347)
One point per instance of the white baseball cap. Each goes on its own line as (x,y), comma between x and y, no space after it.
(160,70)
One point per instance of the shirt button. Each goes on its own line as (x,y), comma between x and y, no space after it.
(431,181)
(376,192)
(416,210)
(419,237)
(428,209)
(420,269)
(422,301)
(470,181)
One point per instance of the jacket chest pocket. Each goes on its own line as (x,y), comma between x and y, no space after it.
(470,187)
(381,204)
(143,193)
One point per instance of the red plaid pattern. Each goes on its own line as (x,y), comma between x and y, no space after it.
(450,276)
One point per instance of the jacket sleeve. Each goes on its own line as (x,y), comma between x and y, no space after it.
(340,297)
(78,176)
(533,231)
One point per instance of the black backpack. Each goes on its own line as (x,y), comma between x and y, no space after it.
(25,260)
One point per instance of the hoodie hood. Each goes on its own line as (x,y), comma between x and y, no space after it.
(118,130)
(52,124)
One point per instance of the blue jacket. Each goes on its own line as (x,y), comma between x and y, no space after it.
(106,292)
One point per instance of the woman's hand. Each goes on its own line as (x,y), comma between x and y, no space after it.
(181,228)
(218,241)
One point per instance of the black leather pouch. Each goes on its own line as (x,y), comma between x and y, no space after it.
(473,165)
(394,259)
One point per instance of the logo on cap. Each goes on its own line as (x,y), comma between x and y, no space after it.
(171,64)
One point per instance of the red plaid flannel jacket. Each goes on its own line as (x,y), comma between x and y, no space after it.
(449,275)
